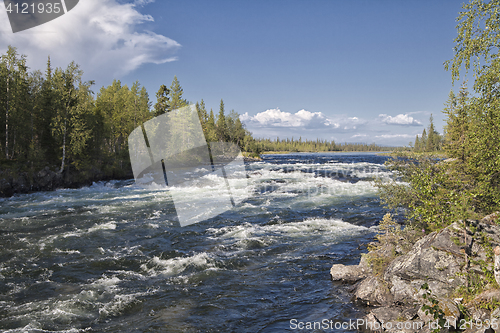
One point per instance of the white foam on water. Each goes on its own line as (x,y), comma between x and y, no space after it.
(176,266)
(117,305)
(319,230)
(108,283)
(35,328)
(307,186)
(104,226)
(327,227)
(56,250)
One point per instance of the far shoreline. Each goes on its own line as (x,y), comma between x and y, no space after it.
(324,152)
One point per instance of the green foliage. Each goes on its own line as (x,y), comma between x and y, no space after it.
(432,307)
(477,282)
(468,184)
(474,120)
(53,119)
(432,193)
(176,92)
(15,105)
(221,126)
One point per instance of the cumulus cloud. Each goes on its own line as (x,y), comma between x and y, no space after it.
(278,118)
(400,119)
(275,118)
(103,36)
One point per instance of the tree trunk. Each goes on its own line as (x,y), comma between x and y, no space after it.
(66,114)
(64,146)
(7,122)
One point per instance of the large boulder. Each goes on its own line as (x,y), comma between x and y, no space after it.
(372,291)
(436,258)
(347,273)
(350,273)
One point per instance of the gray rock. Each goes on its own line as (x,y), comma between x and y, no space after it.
(434,258)
(392,320)
(450,309)
(373,292)
(350,273)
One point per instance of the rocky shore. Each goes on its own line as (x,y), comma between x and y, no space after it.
(433,272)
(49,180)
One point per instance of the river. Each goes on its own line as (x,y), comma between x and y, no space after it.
(112,257)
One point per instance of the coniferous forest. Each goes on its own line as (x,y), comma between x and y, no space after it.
(56,120)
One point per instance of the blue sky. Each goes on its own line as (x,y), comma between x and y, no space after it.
(351,71)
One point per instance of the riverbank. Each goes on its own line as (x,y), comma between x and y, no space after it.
(446,277)
(49,179)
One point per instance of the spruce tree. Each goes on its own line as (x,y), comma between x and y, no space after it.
(211,130)
(176,91)
(222,132)
(162,101)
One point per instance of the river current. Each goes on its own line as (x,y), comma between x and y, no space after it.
(113,258)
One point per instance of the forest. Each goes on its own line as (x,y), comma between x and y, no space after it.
(55,120)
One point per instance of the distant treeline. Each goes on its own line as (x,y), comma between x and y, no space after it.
(318,145)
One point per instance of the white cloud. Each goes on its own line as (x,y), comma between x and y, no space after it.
(142,2)
(275,118)
(102,36)
(278,118)
(400,119)
(395,136)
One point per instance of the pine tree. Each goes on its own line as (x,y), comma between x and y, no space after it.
(15,100)
(417,144)
(211,130)
(222,132)
(162,101)
(176,91)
